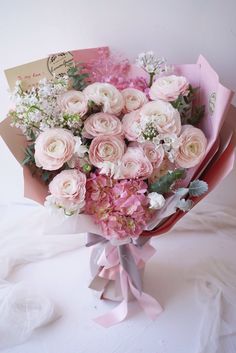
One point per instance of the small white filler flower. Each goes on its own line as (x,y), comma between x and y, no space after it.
(156,201)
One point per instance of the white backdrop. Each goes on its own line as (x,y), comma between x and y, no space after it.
(180,31)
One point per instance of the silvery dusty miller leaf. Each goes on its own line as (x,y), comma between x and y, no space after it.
(181,192)
(185,205)
(198,188)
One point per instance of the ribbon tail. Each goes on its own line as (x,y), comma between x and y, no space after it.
(149,304)
(114,316)
(120,312)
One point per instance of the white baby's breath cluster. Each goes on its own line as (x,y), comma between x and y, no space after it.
(152,64)
(170,144)
(37,109)
(80,152)
(147,130)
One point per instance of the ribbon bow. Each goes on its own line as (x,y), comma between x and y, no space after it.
(121,264)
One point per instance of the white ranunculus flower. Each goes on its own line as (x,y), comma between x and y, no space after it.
(106,95)
(162,116)
(133,99)
(73,102)
(156,200)
(53,148)
(168,88)
(192,149)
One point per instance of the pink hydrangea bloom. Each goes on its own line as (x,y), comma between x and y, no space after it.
(120,207)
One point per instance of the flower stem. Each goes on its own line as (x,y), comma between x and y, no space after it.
(151,79)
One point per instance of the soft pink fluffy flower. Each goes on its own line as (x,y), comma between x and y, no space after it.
(122,210)
(53,148)
(102,124)
(192,148)
(168,88)
(130,122)
(133,99)
(106,148)
(115,70)
(154,153)
(69,184)
(73,102)
(134,164)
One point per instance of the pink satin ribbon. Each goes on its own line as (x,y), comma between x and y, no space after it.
(110,268)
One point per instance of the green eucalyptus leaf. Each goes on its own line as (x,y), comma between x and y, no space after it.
(163,184)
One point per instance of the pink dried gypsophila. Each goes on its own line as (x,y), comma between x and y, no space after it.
(114,70)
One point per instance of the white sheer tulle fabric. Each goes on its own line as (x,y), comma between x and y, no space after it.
(215,282)
(29,233)
(216,291)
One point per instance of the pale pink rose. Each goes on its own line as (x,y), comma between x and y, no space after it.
(53,148)
(134,164)
(168,88)
(192,148)
(106,148)
(102,124)
(106,95)
(163,117)
(130,123)
(69,184)
(133,98)
(73,102)
(154,153)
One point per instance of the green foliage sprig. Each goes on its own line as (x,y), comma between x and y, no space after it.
(78,77)
(163,185)
(189,113)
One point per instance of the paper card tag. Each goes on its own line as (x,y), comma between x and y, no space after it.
(32,72)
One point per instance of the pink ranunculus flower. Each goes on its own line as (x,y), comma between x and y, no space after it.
(106,95)
(134,99)
(102,124)
(130,123)
(154,153)
(134,164)
(53,148)
(192,148)
(73,102)
(106,148)
(163,117)
(69,184)
(169,88)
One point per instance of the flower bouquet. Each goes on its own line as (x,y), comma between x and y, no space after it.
(125,150)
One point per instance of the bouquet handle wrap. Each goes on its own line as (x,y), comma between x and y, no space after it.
(117,275)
